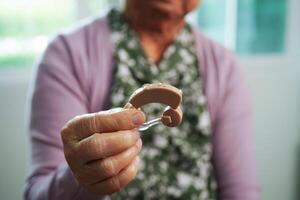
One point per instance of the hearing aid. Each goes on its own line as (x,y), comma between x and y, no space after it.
(159,93)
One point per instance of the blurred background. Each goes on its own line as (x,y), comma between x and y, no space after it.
(265,34)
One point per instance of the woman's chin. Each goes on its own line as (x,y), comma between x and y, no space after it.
(162,8)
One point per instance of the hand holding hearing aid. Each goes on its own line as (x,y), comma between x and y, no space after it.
(102,148)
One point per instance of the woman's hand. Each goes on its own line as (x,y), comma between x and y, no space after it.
(102,149)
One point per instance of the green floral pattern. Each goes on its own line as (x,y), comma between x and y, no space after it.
(175,162)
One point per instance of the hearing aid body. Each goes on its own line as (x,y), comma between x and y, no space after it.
(159,93)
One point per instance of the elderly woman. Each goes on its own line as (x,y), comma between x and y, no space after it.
(100,155)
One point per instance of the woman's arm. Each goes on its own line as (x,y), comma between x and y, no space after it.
(57,96)
(229,104)
(233,141)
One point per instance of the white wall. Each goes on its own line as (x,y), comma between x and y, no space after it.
(275,83)
(14,141)
(277,114)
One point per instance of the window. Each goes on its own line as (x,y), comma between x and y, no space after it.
(27,25)
(211,17)
(247,26)
(261,26)
(25,28)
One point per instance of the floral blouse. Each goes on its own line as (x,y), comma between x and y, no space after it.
(175,162)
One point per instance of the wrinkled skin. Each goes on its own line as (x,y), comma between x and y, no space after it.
(102,149)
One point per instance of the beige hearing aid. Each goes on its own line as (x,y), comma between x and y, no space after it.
(158,93)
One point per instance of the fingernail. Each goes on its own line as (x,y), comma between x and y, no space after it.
(139,144)
(137,161)
(137,118)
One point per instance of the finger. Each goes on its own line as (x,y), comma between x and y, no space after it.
(116,183)
(99,146)
(111,166)
(86,125)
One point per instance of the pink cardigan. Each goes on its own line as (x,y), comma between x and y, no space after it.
(73,77)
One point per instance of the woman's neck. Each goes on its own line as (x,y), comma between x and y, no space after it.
(155,36)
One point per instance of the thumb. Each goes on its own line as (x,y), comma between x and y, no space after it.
(118,119)
(106,121)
